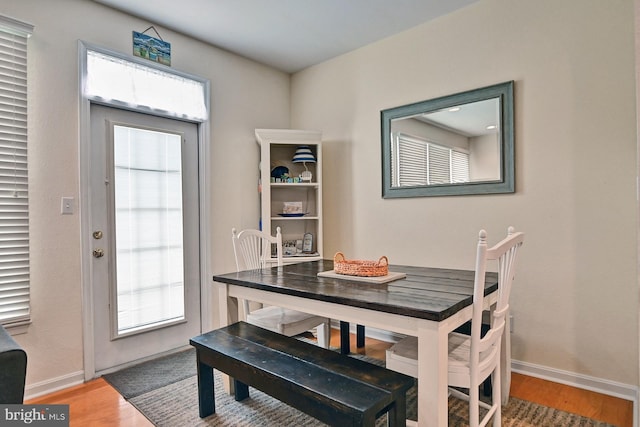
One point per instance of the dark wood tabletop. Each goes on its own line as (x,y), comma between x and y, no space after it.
(426,293)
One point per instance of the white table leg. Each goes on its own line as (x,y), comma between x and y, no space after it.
(432,376)
(226,316)
(228,308)
(222,294)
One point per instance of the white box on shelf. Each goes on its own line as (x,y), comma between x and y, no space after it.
(292,208)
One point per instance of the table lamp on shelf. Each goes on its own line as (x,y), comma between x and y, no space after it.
(304,155)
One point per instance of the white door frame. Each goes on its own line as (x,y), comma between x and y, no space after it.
(84,201)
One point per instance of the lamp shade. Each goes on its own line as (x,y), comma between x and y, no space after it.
(303,155)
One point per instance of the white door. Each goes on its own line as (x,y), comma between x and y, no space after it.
(144,214)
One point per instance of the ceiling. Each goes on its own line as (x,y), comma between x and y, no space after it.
(289,35)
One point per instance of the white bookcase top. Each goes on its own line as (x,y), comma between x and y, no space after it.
(285,136)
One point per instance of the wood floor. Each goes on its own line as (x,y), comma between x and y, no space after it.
(97,404)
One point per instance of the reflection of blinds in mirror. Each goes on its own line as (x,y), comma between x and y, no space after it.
(439,165)
(417,162)
(412,162)
(459,166)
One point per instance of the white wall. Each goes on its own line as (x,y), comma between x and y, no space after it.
(244,96)
(576,299)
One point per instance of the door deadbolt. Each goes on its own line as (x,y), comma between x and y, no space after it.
(98,253)
(97,235)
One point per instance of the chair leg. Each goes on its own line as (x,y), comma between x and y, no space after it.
(474,406)
(496,398)
(505,372)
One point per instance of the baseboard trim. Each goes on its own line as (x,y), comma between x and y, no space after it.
(54,384)
(598,385)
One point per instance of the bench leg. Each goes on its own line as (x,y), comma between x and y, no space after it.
(397,415)
(242,390)
(206,398)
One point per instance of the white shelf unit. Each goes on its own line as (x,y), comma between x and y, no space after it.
(277,148)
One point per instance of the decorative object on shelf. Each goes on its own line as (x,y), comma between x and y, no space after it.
(279,173)
(341,265)
(307,243)
(289,248)
(294,208)
(304,155)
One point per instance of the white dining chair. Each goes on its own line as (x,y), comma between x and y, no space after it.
(472,358)
(252,250)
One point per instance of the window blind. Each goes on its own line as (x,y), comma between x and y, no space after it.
(14,195)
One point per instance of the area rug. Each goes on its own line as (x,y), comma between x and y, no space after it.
(174,402)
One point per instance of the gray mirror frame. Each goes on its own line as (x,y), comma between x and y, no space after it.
(503,91)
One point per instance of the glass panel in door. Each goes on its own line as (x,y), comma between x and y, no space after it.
(148,228)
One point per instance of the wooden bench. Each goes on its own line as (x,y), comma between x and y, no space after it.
(336,389)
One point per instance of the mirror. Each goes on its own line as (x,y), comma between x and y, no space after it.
(454,145)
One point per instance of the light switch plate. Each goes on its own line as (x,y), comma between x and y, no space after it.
(66,206)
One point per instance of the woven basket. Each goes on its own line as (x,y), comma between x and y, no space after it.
(360,268)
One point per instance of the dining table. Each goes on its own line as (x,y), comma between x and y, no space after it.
(426,302)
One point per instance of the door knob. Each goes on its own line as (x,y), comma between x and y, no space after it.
(98,253)
(97,234)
